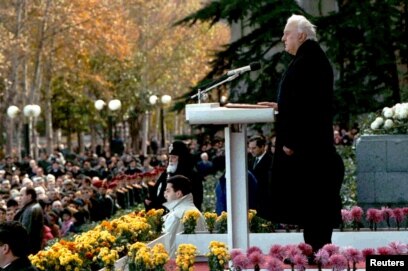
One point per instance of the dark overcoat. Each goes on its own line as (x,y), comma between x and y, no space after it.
(305,186)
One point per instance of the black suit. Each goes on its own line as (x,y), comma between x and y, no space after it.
(262,173)
(306,183)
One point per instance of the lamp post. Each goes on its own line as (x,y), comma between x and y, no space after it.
(164,100)
(32,111)
(113,105)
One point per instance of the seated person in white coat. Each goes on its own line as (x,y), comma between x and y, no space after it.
(179,200)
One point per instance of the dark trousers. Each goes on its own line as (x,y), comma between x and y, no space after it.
(317,235)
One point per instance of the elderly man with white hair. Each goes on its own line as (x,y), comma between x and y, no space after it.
(299,182)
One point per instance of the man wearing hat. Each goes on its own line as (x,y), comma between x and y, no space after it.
(180,163)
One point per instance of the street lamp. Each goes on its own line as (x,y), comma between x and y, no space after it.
(164,100)
(113,105)
(32,111)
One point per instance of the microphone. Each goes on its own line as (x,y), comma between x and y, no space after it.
(254,66)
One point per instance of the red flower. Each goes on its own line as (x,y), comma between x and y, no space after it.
(398,214)
(385,251)
(306,249)
(356,213)
(374,215)
(368,251)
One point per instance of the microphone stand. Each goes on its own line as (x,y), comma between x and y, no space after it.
(201,93)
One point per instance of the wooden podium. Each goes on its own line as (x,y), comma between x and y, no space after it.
(235,117)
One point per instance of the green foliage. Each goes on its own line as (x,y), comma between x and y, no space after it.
(260,225)
(209,192)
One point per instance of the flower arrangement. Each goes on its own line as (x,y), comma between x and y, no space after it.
(189,221)
(221,224)
(108,257)
(258,224)
(392,120)
(143,258)
(390,216)
(96,248)
(218,256)
(185,258)
(155,220)
(210,219)
(61,256)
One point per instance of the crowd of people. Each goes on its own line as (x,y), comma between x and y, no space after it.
(53,196)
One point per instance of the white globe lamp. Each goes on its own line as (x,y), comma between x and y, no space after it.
(153,99)
(166,99)
(99,104)
(114,105)
(12,111)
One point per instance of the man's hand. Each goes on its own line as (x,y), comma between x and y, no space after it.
(288,151)
(270,104)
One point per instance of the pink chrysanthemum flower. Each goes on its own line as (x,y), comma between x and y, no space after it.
(356,213)
(368,251)
(331,249)
(353,255)
(306,249)
(241,261)
(276,251)
(346,216)
(253,249)
(235,252)
(385,251)
(256,258)
(290,252)
(300,262)
(398,214)
(374,215)
(322,257)
(405,211)
(338,262)
(387,213)
(398,248)
(273,264)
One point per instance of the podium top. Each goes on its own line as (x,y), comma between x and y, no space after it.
(213,113)
(231,105)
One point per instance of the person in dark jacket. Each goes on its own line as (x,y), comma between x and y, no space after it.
(307,172)
(31,216)
(260,165)
(14,249)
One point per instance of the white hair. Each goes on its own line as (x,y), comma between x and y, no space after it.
(303,26)
(39,190)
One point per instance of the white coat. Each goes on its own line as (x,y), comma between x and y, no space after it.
(172,220)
